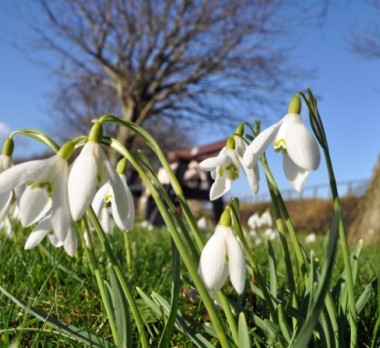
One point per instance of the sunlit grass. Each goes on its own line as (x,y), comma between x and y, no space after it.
(47,279)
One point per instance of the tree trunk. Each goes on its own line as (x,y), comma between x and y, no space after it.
(366,225)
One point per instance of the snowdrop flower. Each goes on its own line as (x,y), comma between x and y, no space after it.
(291,137)
(222,256)
(91,170)
(225,168)
(254,221)
(47,190)
(266,219)
(202,223)
(121,204)
(271,234)
(310,238)
(43,228)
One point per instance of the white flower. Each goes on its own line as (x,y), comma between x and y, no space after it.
(225,167)
(254,221)
(43,228)
(222,256)
(47,190)
(266,219)
(120,198)
(310,238)
(300,149)
(89,171)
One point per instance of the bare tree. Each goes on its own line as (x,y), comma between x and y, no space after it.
(367,43)
(172,59)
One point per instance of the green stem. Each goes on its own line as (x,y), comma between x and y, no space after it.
(162,158)
(103,293)
(128,255)
(256,271)
(182,248)
(128,293)
(319,131)
(276,196)
(229,316)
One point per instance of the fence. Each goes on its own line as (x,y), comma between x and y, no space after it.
(355,188)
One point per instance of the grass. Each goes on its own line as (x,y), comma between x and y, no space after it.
(47,279)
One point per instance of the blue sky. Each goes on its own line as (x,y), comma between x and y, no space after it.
(349,87)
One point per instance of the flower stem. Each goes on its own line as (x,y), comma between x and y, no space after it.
(105,298)
(128,293)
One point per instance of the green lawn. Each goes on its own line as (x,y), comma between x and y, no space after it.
(49,280)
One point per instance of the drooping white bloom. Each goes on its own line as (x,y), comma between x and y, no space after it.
(43,228)
(202,223)
(266,219)
(254,221)
(89,171)
(291,137)
(122,205)
(222,256)
(310,238)
(225,168)
(47,190)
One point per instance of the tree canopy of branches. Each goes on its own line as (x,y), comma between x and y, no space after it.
(367,43)
(173,59)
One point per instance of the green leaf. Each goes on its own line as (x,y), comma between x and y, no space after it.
(69,330)
(244,341)
(121,310)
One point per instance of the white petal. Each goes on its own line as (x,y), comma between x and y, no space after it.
(124,213)
(213,162)
(20,174)
(82,182)
(60,212)
(258,146)
(105,220)
(236,264)
(34,205)
(5,201)
(301,146)
(213,268)
(54,240)
(220,186)
(253,177)
(295,175)
(71,243)
(120,198)
(99,199)
(38,234)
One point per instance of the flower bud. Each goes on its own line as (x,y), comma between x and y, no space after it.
(295,105)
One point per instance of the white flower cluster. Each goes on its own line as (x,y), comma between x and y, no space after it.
(223,254)
(261,227)
(290,136)
(51,195)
